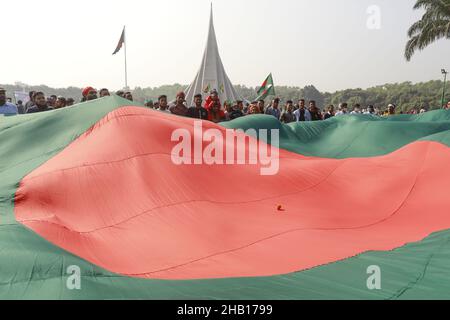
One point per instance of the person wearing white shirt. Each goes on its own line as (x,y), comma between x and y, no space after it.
(302,114)
(343,107)
(356,109)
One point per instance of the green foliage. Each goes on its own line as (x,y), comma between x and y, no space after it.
(434,25)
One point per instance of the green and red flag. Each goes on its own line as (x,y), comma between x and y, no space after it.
(267,88)
(80,190)
(121,42)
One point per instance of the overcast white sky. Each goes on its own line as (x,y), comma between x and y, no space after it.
(322,42)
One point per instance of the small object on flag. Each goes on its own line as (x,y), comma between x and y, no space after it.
(206,89)
(121,42)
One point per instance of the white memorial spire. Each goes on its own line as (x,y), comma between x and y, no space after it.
(212,74)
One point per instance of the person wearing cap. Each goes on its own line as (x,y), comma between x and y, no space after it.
(391,110)
(179,109)
(40,103)
(89,94)
(6,108)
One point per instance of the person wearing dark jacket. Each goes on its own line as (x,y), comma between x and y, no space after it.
(40,103)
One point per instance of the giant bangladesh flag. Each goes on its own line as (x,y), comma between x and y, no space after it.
(93,186)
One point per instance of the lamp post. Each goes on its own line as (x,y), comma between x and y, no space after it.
(444,72)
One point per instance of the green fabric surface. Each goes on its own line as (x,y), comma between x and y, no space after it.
(33,268)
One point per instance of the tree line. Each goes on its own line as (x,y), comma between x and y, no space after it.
(405,95)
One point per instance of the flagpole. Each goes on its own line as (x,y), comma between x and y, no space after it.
(125,51)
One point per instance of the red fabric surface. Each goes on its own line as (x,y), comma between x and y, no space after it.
(114,198)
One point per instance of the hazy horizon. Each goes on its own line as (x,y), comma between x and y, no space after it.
(325,43)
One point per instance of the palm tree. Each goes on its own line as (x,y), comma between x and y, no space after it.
(434,25)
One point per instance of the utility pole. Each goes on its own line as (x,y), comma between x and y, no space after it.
(444,72)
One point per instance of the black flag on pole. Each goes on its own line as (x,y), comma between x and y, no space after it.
(121,42)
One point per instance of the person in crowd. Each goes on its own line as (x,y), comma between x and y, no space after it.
(262,106)
(215,113)
(104,93)
(391,110)
(212,100)
(236,112)
(89,94)
(128,96)
(30,103)
(51,101)
(288,115)
(60,103)
(179,108)
(70,102)
(423,110)
(163,104)
(120,93)
(6,108)
(301,114)
(274,110)
(448,106)
(246,107)
(149,104)
(356,109)
(40,103)
(253,105)
(316,115)
(370,110)
(197,111)
(228,107)
(329,113)
(342,109)
(253,110)
(20,107)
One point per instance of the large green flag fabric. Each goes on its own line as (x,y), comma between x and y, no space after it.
(92,207)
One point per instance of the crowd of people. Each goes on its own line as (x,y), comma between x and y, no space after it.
(211,109)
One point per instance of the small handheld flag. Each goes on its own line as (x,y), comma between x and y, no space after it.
(267,88)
